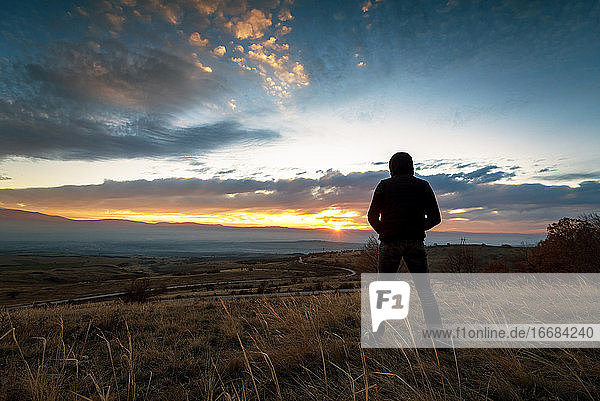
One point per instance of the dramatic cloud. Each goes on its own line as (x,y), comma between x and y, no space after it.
(108,73)
(196,40)
(462,199)
(124,91)
(252,25)
(284,15)
(220,51)
(103,100)
(85,138)
(306,195)
(280,73)
(483,175)
(493,88)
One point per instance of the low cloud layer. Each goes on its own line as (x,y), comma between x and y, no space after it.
(461,197)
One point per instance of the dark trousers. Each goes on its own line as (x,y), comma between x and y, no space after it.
(415,257)
(392,252)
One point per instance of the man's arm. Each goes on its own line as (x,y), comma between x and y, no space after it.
(432,211)
(375,208)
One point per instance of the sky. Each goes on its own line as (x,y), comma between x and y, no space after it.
(285,113)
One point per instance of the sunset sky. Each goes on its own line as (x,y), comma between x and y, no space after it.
(286,112)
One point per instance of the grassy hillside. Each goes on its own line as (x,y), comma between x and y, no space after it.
(37,278)
(440,258)
(288,348)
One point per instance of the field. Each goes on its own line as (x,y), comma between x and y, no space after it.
(187,344)
(40,279)
(276,348)
(28,279)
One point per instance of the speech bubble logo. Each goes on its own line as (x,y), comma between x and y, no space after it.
(389,301)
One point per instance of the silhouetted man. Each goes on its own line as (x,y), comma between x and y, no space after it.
(402,209)
(408,208)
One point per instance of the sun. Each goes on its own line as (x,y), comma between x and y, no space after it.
(337,226)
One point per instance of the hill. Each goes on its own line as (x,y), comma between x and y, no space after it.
(31,231)
(289,348)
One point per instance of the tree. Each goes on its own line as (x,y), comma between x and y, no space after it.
(572,245)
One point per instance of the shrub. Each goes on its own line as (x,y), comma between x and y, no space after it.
(572,245)
(496,266)
(138,291)
(461,259)
(369,258)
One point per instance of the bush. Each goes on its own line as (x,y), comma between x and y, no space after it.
(572,245)
(461,259)
(496,266)
(138,291)
(369,258)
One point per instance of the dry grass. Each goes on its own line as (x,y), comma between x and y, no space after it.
(27,279)
(304,348)
(478,258)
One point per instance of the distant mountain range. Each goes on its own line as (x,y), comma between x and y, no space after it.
(25,230)
(21,225)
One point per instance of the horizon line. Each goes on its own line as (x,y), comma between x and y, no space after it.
(254,226)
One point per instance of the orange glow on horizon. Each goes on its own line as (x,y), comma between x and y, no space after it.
(336,220)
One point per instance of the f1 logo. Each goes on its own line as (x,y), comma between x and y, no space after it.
(389,301)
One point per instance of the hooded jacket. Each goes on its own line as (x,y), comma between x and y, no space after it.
(403,206)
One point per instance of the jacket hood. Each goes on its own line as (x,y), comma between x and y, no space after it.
(401,163)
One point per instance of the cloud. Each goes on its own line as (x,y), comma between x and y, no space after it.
(199,64)
(283,30)
(457,193)
(196,40)
(483,175)
(280,73)
(171,12)
(207,7)
(481,202)
(593,175)
(111,74)
(220,51)
(121,67)
(284,15)
(115,21)
(177,194)
(271,43)
(199,23)
(252,25)
(73,137)
(102,99)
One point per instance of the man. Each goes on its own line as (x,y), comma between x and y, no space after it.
(408,208)
(402,209)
